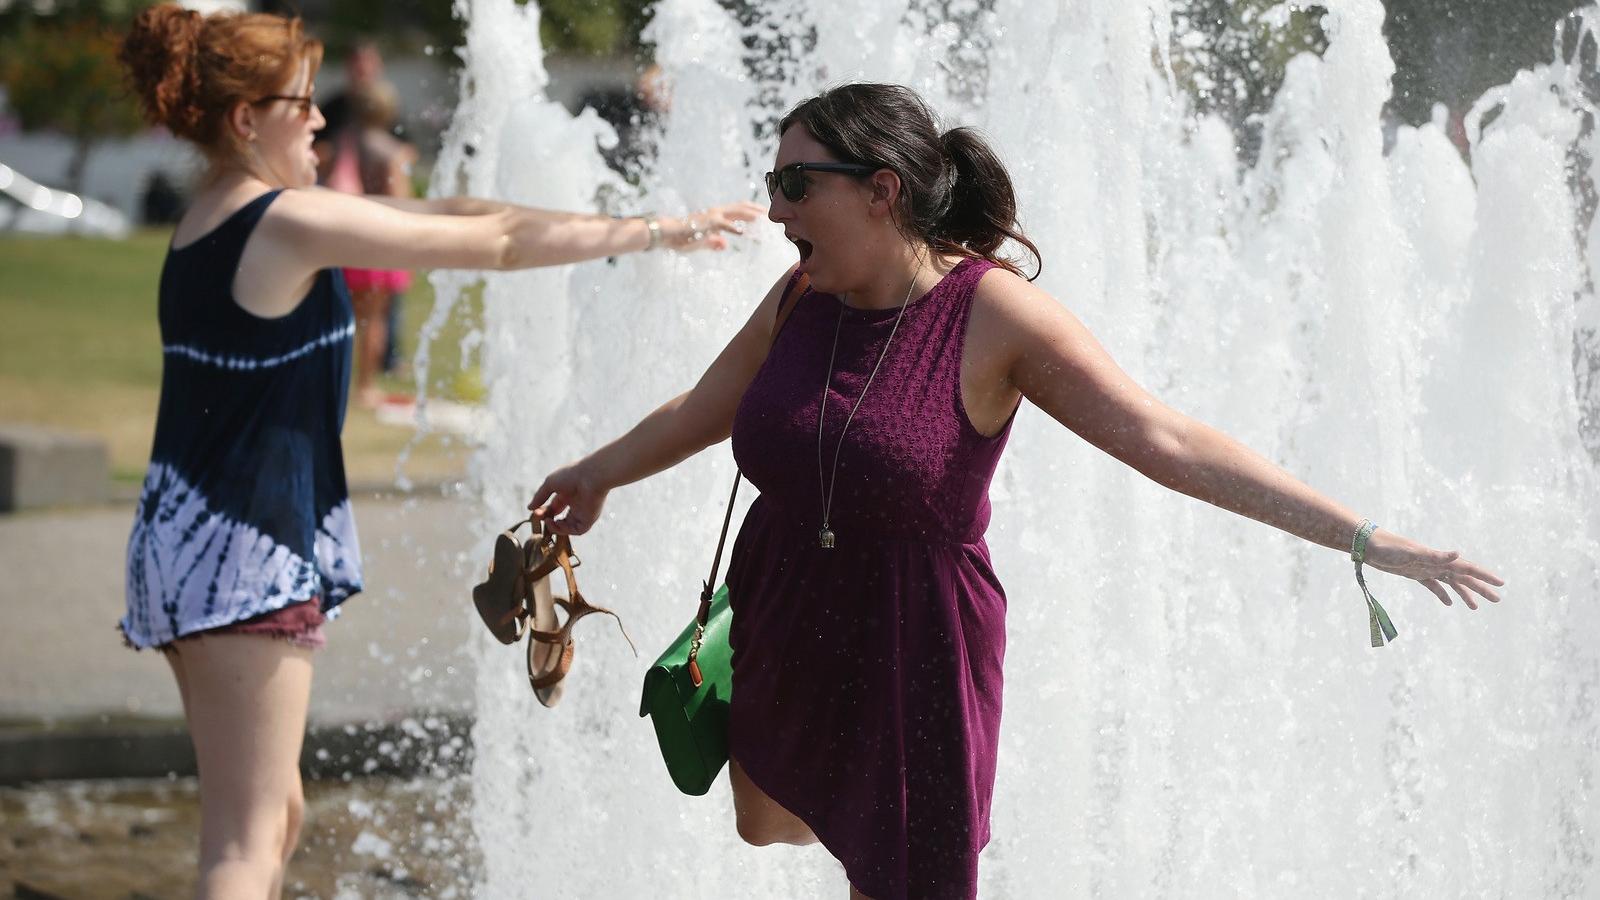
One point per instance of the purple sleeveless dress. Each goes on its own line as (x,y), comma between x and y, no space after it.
(867,677)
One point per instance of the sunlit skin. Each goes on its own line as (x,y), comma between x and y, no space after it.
(1021,343)
(279,134)
(309,228)
(856,251)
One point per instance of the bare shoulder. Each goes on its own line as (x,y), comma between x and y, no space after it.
(334,227)
(317,209)
(1007,305)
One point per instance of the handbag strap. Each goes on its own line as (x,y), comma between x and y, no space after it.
(791,297)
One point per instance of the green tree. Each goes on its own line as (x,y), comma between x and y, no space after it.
(584,27)
(1231,55)
(1451,51)
(63,75)
(593,27)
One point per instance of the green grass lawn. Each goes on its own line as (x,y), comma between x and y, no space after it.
(80,349)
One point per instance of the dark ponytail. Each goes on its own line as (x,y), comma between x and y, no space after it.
(983,207)
(955,196)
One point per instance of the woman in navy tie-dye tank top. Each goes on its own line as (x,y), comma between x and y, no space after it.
(244,541)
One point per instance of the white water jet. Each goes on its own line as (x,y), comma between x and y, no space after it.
(1191,707)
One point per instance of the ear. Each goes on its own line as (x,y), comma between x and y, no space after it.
(242,121)
(885,186)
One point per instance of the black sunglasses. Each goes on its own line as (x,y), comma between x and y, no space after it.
(305,103)
(791,179)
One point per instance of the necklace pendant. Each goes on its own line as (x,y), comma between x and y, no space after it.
(825,538)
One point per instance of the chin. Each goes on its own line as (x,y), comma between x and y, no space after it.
(823,280)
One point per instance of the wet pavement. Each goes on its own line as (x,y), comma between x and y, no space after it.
(396,648)
(391,698)
(363,838)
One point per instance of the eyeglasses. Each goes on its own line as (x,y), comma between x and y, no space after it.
(791,179)
(305,103)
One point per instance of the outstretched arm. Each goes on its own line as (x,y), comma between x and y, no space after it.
(678,429)
(705,229)
(1053,360)
(311,229)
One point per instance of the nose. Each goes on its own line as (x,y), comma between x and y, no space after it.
(779,208)
(317,120)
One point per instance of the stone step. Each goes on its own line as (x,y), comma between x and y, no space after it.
(47,467)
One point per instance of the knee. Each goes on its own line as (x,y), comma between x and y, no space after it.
(755,833)
(761,832)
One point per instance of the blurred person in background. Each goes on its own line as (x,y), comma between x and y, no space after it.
(380,164)
(244,541)
(362,67)
(340,167)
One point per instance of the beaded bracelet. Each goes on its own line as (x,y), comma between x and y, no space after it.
(1382,629)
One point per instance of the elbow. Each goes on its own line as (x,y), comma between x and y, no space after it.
(1161,451)
(515,243)
(505,254)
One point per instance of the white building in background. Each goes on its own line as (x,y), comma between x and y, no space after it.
(211,6)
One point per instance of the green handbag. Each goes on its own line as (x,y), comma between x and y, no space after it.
(686,692)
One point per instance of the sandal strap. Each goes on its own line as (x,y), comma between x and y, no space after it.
(584,607)
(559,636)
(544,561)
(554,676)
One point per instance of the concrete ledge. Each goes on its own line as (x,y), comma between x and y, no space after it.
(42,467)
(432,744)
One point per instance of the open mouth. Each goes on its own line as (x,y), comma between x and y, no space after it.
(804,246)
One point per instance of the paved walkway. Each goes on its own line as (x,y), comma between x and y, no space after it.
(397,649)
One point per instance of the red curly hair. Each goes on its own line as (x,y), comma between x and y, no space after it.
(190,70)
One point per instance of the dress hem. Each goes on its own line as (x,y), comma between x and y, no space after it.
(145,642)
(759,781)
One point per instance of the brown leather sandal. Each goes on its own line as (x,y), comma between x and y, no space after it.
(550,648)
(499,597)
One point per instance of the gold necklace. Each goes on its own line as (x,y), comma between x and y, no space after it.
(825,537)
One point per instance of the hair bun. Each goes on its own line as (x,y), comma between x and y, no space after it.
(160,54)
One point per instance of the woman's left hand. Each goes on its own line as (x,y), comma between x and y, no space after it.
(1398,555)
(708,229)
(573,490)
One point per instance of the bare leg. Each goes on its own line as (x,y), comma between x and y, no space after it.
(171,654)
(245,698)
(759,818)
(372,335)
(762,821)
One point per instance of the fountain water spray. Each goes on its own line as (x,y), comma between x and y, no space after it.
(1191,707)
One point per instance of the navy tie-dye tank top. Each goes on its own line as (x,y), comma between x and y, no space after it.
(244,508)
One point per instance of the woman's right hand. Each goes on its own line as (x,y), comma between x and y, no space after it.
(708,229)
(573,490)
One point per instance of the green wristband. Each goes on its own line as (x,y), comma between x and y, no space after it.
(1358,546)
(1382,631)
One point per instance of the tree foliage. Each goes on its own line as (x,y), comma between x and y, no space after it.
(1231,54)
(593,27)
(1451,51)
(61,74)
(581,27)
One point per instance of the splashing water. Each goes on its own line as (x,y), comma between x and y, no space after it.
(1191,707)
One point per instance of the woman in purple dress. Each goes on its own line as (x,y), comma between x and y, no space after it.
(868,626)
